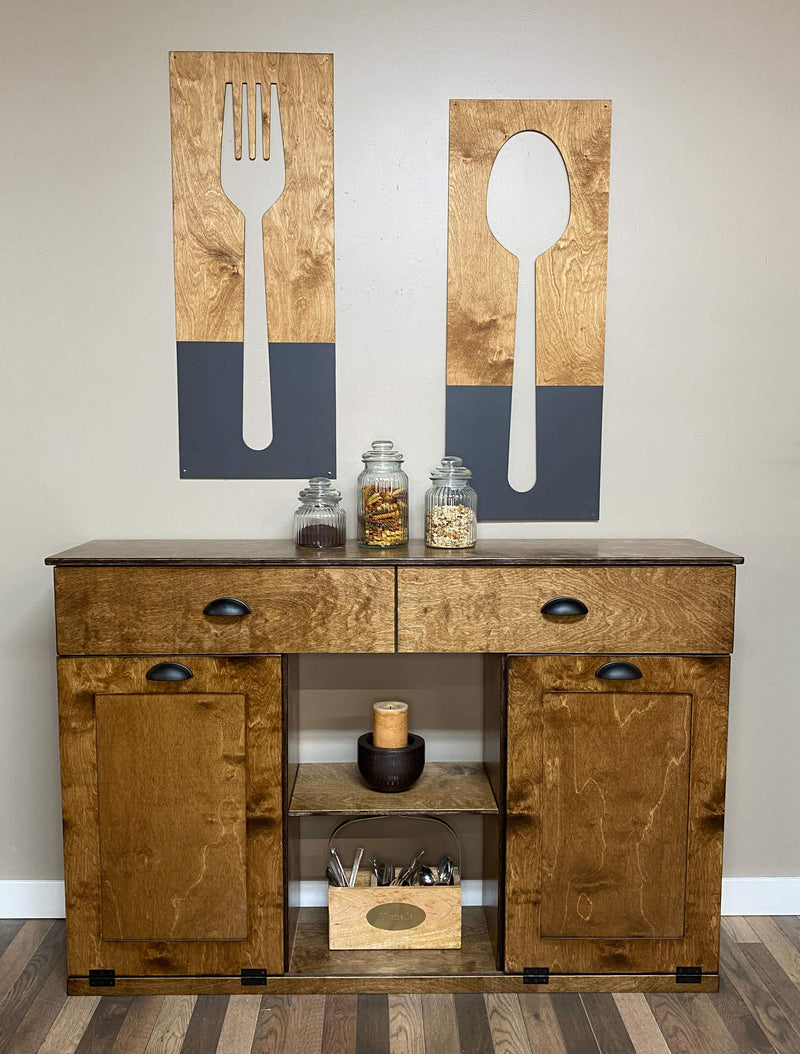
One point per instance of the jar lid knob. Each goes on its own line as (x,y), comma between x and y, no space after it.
(451,468)
(320,487)
(382,449)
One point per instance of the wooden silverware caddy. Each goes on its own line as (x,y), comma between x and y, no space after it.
(372,916)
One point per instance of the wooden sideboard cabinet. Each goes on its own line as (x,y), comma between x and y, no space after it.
(600,795)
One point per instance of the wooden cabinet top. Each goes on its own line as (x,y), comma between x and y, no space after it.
(492,552)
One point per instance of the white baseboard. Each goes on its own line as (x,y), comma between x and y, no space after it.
(21,899)
(761,896)
(25,899)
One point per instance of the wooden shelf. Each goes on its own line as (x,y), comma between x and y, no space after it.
(337,789)
(311,956)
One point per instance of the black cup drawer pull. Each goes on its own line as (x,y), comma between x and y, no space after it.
(226,607)
(169,671)
(618,671)
(565,606)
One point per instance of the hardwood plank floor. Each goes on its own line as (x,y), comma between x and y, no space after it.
(757,1011)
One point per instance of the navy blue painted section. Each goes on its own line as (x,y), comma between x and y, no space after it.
(303,379)
(568,433)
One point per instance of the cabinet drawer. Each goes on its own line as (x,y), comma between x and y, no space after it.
(499,609)
(146,610)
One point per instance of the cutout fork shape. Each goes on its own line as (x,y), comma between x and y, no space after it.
(253,185)
(527,208)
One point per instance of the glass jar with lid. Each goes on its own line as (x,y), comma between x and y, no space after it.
(382,497)
(319,521)
(451,507)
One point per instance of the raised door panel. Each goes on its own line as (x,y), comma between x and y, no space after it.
(615,811)
(173,814)
(615,795)
(173,805)
(153,610)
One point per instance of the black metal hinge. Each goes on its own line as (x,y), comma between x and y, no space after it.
(536,975)
(688,974)
(252,977)
(102,978)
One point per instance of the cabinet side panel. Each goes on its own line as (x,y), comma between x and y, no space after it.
(615,798)
(523,812)
(77,745)
(261,681)
(494,753)
(171,790)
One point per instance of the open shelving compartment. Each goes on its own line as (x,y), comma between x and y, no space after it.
(322,790)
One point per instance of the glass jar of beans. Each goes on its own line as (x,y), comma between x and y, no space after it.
(382,498)
(451,507)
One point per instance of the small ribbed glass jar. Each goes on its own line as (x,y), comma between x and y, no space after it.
(382,498)
(451,507)
(319,522)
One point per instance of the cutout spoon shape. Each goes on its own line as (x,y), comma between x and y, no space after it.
(527,208)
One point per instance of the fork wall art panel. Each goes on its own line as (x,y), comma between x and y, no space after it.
(567,323)
(252,183)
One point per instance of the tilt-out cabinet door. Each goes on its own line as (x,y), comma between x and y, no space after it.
(616,786)
(171,776)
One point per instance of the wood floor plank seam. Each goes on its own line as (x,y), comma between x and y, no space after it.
(782,1035)
(606,1023)
(19,951)
(43,1011)
(16,1002)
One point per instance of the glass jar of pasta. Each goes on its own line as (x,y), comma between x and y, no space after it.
(382,497)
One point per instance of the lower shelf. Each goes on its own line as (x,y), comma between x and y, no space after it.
(311,956)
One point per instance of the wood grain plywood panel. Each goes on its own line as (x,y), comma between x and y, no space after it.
(616,777)
(140,610)
(570,277)
(171,800)
(444,787)
(258,680)
(495,609)
(209,230)
(531,679)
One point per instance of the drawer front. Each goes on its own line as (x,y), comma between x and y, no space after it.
(499,609)
(145,610)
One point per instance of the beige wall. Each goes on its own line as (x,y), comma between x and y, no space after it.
(700,428)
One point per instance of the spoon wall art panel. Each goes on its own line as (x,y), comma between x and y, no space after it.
(252,177)
(526,303)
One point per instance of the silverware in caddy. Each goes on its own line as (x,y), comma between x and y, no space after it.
(336,863)
(356,864)
(445,871)
(406,876)
(383,871)
(333,878)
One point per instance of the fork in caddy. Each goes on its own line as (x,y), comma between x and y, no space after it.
(253,181)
